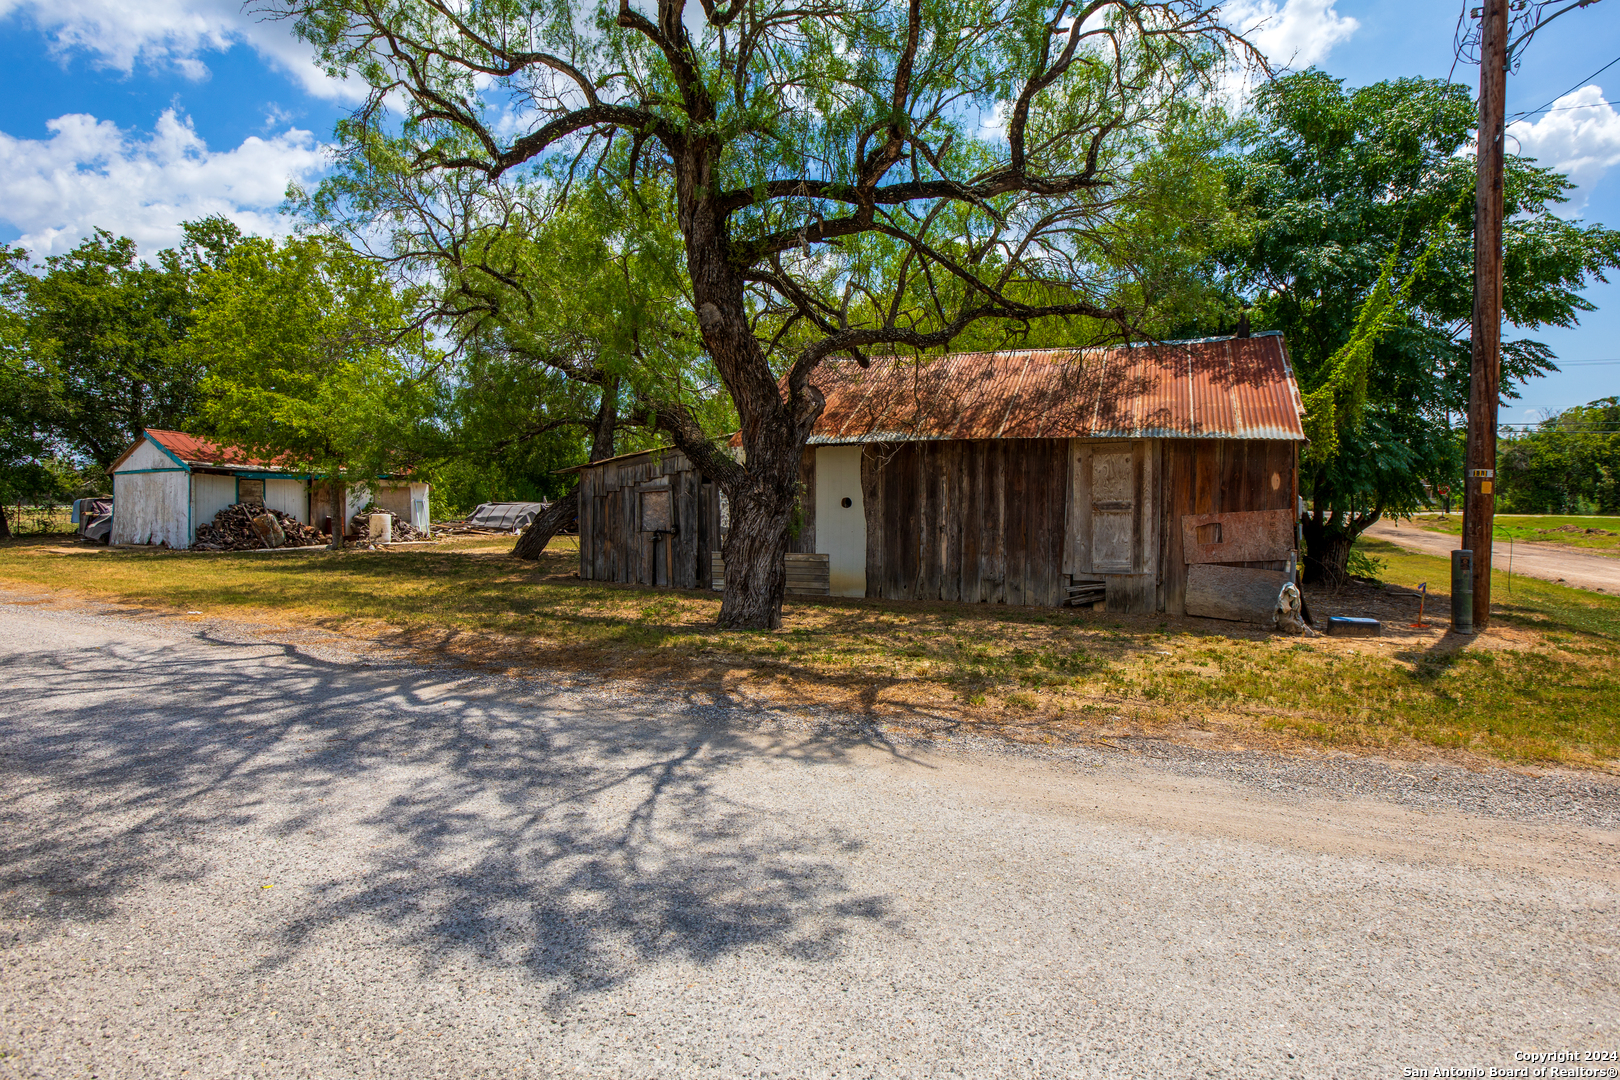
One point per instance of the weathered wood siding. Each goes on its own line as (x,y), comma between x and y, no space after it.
(150,507)
(966,520)
(805,542)
(1219,476)
(1002,521)
(651,519)
(1013,521)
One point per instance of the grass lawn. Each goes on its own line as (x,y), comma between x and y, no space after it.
(1542,686)
(1539,528)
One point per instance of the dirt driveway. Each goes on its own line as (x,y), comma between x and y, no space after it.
(1549,562)
(232,856)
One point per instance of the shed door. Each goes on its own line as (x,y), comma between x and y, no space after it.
(1110,526)
(1114,542)
(841,518)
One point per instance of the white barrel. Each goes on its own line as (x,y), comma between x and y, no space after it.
(381,528)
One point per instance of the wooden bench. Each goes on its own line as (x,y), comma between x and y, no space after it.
(807,574)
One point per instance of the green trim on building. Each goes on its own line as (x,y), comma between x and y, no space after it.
(184,467)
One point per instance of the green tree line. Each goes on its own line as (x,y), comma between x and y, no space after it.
(299,349)
(1569,464)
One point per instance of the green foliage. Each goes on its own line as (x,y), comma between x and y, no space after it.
(1570,464)
(22,440)
(1363,565)
(824,174)
(98,339)
(1353,190)
(567,312)
(314,359)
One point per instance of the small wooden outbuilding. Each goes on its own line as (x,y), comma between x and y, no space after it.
(168,482)
(1043,477)
(648,518)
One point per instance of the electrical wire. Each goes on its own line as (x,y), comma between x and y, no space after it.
(1589,105)
(1571,90)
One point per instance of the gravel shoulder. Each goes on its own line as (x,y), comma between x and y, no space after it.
(227,852)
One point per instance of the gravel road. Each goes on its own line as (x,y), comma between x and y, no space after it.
(1573,566)
(229,855)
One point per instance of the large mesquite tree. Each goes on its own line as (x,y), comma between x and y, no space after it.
(847,175)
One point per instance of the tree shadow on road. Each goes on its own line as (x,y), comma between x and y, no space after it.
(577,834)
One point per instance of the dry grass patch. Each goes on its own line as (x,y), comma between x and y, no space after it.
(1542,686)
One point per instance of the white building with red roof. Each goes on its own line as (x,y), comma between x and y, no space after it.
(169,482)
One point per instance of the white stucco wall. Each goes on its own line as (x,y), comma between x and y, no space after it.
(210,493)
(840,529)
(289,496)
(358,497)
(150,507)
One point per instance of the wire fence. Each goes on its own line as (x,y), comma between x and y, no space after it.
(39,520)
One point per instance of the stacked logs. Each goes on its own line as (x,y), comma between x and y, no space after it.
(232,530)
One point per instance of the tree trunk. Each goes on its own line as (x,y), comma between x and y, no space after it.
(756,562)
(340,514)
(540,531)
(774,428)
(566,509)
(5,526)
(1327,550)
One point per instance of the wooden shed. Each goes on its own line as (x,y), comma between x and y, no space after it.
(1055,476)
(1048,477)
(647,518)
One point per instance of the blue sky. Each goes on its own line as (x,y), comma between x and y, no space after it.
(135,116)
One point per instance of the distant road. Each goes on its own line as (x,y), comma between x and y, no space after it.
(221,847)
(1550,562)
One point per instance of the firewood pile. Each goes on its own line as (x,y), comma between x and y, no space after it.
(360,529)
(232,530)
(467,528)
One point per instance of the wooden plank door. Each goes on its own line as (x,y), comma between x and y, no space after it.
(1111,526)
(1115,498)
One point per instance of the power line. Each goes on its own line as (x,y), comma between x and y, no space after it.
(1588,105)
(1585,363)
(1571,90)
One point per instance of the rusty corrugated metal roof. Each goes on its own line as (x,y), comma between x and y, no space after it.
(1223,388)
(197,451)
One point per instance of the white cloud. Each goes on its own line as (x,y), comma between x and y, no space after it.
(993,124)
(1581,141)
(90,174)
(121,33)
(1302,33)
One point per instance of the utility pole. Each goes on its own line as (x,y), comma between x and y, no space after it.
(1484,387)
